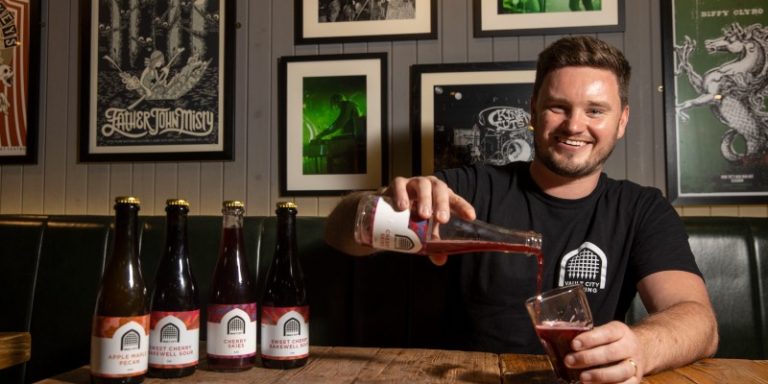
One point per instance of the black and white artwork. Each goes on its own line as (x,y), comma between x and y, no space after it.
(157,81)
(486,123)
(471,113)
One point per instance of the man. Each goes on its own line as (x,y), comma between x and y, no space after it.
(614,237)
(346,121)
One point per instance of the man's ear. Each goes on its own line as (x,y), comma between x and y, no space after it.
(532,105)
(623,120)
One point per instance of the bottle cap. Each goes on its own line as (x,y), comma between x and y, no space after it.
(233,204)
(286,204)
(127,200)
(177,202)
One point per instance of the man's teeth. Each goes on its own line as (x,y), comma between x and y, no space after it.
(576,143)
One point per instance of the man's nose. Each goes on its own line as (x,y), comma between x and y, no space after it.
(576,121)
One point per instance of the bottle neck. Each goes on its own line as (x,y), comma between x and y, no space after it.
(233,218)
(126,247)
(176,231)
(286,234)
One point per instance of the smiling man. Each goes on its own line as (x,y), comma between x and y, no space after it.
(614,237)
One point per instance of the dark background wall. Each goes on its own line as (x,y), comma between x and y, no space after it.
(60,184)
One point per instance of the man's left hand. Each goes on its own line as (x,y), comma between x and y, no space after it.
(610,353)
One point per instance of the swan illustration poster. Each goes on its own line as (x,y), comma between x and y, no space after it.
(718,59)
(158,77)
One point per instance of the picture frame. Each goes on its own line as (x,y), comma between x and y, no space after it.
(468,113)
(715,100)
(538,17)
(19,80)
(331,21)
(333,123)
(158,80)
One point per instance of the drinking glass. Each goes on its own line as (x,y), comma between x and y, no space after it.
(558,316)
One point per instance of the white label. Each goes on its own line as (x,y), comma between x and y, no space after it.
(174,339)
(119,346)
(395,231)
(233,334)
(285,332)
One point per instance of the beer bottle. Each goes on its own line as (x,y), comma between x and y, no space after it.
(232,305)
(120,335)
(174,333)
(284,309)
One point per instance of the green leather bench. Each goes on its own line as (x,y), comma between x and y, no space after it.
(50,268)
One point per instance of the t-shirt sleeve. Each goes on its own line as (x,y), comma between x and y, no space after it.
(661,242)
(463,180)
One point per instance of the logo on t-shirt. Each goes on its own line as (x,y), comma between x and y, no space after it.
(585,265)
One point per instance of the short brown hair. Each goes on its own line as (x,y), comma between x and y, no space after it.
(584,51)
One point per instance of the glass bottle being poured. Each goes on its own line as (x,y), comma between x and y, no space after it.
(380,226)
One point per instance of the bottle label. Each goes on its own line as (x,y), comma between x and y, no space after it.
(285,332)
(174,339)
(232,330)
(396,231)
(119,346)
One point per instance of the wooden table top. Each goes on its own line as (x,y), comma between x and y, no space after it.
(536,369)
(396,365)
(15,348)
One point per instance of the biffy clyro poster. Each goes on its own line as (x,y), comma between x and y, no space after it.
(719,62)
(157,79)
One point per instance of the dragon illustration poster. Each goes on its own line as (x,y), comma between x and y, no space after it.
(719,62)
(19,63)
(157,81)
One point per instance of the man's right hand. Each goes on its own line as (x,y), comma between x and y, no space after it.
(428,196)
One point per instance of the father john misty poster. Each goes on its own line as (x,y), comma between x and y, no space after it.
(158,67)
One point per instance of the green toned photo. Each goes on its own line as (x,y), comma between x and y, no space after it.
(334,125)
(538,6)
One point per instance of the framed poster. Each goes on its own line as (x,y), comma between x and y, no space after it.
(157,80)
(333,123)
(716,100)
(341,21)
(469,113)
(19,75)
(538,17)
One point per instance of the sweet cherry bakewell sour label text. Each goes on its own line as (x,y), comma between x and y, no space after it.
(174,339)
(285,332)
(119,346)
(232,330)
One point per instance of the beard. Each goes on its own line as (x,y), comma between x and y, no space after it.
(563,165)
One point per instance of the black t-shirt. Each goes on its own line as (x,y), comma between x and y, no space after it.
(606,241)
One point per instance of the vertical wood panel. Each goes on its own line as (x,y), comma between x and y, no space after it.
(54,155)
(188,184)
(506,49)
(121,182)
(616,166)
(166,185)
(144,187)
(76,195)
(261,81)
(657,111)
(98,199)
(211,191)
(402,57)
(10,189)
(235,183)
(639,162)
(282,45)
(454,32)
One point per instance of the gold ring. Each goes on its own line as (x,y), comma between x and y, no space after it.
(634,365)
